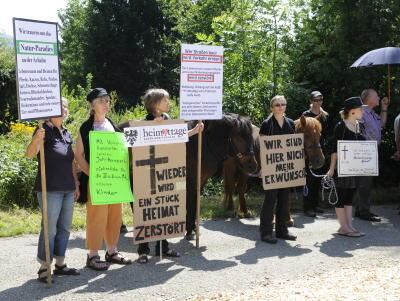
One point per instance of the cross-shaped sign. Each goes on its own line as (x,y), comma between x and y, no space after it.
(344,150)
(152,161)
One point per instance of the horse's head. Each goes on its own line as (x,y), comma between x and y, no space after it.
(234,136)
(311,127)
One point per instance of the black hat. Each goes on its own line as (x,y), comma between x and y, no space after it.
(352,103)
(314,94)
(96,93)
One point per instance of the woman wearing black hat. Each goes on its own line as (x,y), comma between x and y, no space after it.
(347,129)
(102,221)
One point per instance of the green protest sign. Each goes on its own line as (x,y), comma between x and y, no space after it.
(109,169)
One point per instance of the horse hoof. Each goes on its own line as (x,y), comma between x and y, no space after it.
(290,223)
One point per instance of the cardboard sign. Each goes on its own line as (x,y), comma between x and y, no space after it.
(282,161)
(109,169)
(159,186)
(357,158)
(201,82)
(156,134)
(38,71)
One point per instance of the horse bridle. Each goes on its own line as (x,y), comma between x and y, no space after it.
(236,152)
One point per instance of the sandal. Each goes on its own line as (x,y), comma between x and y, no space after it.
(169,253)
(43,279)
(122,260)
(94,261)
(143,259)
(60,270)
(350,234)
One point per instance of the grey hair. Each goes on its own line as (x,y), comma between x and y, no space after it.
(364,94)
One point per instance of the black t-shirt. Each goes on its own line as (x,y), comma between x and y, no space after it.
(341,132)
(270,127)
(58,160)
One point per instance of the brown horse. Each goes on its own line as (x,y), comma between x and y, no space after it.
(227,139)
(235,180)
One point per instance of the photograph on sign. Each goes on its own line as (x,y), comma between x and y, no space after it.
(282,161)
(155,134)
(201,82)
(357,158)
(38,70)
(159,186)
(109,169)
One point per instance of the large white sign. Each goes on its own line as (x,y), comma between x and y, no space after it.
(357,158)
(142,134)
(201,82)
(38,72)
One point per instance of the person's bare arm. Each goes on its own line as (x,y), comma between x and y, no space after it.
(80,155)
(33,148)
(332,166)
(384,108)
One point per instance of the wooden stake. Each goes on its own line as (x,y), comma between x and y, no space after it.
(388,80)
(199,140)
(44,209)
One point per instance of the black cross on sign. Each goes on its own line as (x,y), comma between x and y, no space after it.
(152,161)
(344,150)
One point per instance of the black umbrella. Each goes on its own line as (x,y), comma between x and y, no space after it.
(382,56)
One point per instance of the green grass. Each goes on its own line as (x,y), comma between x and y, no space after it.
(22,221)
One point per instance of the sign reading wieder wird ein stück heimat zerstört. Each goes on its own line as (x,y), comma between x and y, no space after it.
(282,161)
(159,186)
(38,72)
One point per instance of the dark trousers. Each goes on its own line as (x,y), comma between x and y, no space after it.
(363,204)
(281,198)
(145,249)
(310,202)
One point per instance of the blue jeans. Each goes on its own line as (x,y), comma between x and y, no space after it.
(60,208)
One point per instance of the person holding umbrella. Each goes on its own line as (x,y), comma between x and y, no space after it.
(371,127)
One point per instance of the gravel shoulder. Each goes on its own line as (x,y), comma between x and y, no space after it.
(231,264)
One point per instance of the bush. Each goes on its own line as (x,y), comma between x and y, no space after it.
(18,173)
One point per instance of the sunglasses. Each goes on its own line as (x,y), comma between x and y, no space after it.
(317,100)
(279,105)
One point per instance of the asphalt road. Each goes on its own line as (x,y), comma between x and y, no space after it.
(231,259)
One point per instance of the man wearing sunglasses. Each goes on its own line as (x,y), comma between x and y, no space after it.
(311,192)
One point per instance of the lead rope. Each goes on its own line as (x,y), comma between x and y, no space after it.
(327,183)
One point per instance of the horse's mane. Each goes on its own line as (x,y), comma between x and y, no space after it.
(311,123)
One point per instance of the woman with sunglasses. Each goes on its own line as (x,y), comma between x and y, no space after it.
(276,124)
(311,194)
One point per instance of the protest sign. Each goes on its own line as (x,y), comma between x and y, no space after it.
(166,133)
(357,158)
(38,72)
(282,161)
(159,186)
(109,168)
(201,82)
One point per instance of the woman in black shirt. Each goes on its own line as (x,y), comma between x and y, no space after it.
(347,129)
(276,124)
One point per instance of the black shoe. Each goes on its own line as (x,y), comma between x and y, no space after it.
(356,214)
(269,239)
(369,217)
(373,214)
(310,213)
(190,236)
(286,236)
(319,210)
(123,229)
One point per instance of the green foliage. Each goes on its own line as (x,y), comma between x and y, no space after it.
(17,173)
(8,99)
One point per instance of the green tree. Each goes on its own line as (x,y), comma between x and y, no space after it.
(8,98)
